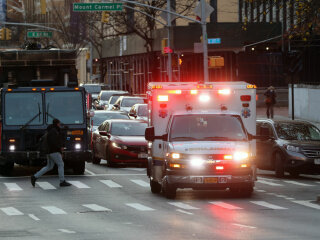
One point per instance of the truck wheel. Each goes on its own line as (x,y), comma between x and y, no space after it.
(279,165)
(168,190)
(155,186)
(7,168)
(95,160)
(79,169)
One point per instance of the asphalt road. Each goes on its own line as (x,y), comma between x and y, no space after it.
(116,203)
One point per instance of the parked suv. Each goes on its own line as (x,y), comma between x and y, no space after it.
(292,146)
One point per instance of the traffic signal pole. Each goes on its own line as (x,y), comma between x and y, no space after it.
(204,42)
(169,65)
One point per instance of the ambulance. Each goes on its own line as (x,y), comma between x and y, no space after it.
(201,136)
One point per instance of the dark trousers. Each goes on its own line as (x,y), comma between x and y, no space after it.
(269,110)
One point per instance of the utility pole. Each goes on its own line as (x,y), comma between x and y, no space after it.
(169,39)
(204,42)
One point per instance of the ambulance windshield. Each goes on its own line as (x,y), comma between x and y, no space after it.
(207,128)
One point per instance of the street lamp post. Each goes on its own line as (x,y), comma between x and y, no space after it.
(169,39)
(204,41)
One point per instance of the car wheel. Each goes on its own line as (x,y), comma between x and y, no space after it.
(168,190)
(79,168)
(155,186)
(95,160)
(294,174)
(279,165)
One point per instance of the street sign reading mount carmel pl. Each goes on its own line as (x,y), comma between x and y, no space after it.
(87,7)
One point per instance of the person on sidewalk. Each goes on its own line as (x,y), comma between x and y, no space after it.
(54,154)
(270,100)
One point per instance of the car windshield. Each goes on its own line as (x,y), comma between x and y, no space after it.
(129,102)
(99,118)
(65,106)
(105,96)
(143,110)
(297,131)
(113,99)
(128,128)
(207,128)
(92,88)
(23,108)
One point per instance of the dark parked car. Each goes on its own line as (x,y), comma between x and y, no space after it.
(292,146)
(120,141)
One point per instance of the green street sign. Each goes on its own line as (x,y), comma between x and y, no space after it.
(39,34)
(87,7)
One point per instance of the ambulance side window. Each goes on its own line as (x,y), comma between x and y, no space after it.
(169,125)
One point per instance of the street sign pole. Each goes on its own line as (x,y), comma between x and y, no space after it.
(169,45)
(204,42)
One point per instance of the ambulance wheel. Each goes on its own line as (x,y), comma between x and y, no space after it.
(155,186)
(79,168)
(279,165)
(168,190)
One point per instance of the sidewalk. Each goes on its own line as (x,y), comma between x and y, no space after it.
(280,113)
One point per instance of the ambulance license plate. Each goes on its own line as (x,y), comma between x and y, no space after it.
(211,180)
(142,155)
(317,161)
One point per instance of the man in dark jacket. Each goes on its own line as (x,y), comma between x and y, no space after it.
(54,154)
(270,100)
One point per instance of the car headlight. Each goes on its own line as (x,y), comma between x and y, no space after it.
(12,147)
(292,148)
(175,155)
(197,162)
(77,146)
(120,146)
(240,156)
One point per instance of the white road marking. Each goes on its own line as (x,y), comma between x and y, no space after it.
(11,211)
(139,207)
(308,204)
(111,183)
(244,226)
(91,173)
(34,217)
(13,187)
(96,208)
(183,205)
(259,190)
(268,205)
(299,184)
(318,182)
(141,183)
(54,210)
(290,198)
(96,175)
(137,169)
(66,231)
(78,184)
(270,179)
(45,185)
(225,205)
(269,183)
(282,196)
(185,212)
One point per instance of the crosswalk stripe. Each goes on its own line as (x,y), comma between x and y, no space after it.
(308,204)
(45,185)
(225,205)
(185,212)
(54,210)
(111,183)
(96,208)
(269,183)
(66,231)
(141,183)
(183,205)
(139,207)
(299,183)
(267,205)
(13,187)
(78,184)
(11,211)
(137,169)
(260,190)
(34,217)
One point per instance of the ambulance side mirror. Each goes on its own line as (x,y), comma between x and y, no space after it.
(149,134)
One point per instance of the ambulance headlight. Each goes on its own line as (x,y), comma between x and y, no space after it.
(197,162)
(12,148)
(240,156)
(204,98)
(175,155)
(77,146)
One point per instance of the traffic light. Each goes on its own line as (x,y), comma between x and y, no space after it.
(105,17)
(215,62)
(8,34)
(2,34)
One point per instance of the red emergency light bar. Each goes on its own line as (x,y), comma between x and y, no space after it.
(175,91)
(204,86)
(224,91)
(157,87)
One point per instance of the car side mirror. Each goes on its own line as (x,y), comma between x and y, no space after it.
(90,114)
(131,114)
(149,134)
(164,137)
(116,106)
(103,133)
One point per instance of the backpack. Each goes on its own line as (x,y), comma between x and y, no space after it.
(43,144)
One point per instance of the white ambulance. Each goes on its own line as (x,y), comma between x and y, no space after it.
(201,136)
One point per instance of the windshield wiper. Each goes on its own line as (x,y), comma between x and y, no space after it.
(183,138)
(49,114)
(220,138)
(33,118)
